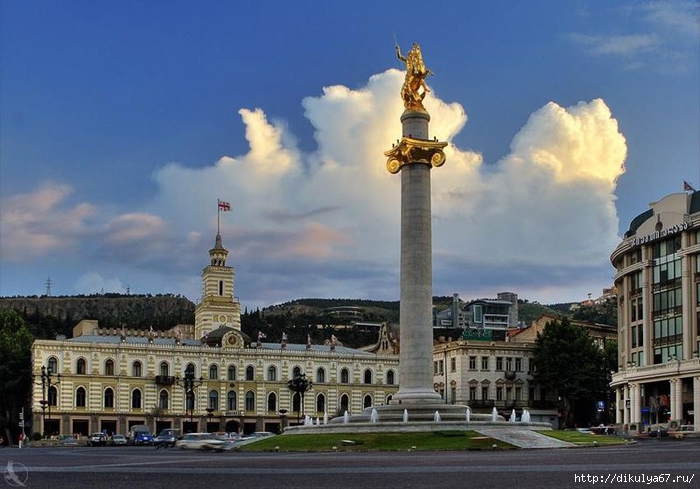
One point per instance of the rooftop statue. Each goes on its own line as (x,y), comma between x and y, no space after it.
(416,72)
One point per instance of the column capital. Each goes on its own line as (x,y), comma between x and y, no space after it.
(410,150)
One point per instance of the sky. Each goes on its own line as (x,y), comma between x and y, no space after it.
(123,123)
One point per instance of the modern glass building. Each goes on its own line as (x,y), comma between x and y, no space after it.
(658,293)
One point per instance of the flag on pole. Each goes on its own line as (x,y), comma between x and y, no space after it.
(687,187)
(224,206)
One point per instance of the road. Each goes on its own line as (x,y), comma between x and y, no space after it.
(666,463)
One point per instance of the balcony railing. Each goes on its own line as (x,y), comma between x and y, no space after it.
(165,380)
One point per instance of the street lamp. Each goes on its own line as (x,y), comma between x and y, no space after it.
(300,384)
(46,382)
(189,383)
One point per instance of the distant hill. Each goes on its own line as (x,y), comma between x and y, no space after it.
(48,316)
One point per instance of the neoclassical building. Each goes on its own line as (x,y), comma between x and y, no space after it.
(203,377)
(483,372)
(658,296)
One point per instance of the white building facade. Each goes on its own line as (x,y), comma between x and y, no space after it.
(203,377)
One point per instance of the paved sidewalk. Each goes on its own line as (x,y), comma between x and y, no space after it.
(524,438)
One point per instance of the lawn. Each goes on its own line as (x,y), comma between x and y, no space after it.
(440,440)
(584,439)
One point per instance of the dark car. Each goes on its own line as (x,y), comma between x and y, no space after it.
(166,438)
(97,440)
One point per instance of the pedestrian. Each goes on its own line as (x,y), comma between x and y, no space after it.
(21,439)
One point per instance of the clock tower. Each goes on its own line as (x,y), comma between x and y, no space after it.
(218,307)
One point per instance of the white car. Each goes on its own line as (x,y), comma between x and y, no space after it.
(202,441)
(119,440)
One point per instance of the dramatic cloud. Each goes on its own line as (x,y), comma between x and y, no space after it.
(326,224)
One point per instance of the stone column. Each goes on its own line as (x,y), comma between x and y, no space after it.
(677,399)
(414,157)
(696,403)
(618,405)
(634,403)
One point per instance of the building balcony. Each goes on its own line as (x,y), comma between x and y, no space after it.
(165,380)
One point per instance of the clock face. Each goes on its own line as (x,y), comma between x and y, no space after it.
(222,318)
(232,340)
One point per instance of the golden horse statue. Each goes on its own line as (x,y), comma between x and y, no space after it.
(414,88)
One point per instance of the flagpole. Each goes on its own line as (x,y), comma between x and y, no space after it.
(218,217)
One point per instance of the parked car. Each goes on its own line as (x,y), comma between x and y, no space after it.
(166,438)
(118,440)
(67,441)
(202,441)
(658,431)
(140,434)
(97,440)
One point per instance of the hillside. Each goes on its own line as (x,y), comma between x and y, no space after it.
(49,316)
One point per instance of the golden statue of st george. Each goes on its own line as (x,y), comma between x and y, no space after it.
(414,88)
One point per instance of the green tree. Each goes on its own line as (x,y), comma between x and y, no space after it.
(569,363)
(15,369)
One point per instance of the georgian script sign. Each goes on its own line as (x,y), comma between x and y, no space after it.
(478,334)
(677,228)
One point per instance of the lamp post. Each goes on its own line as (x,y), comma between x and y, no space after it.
(46,382)
(189,383)
(300,384)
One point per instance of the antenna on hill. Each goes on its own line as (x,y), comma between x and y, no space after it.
(48,286)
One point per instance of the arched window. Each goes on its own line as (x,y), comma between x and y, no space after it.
(367,401)
(80,397)
(344,376)
(368,376)
(53,396)
(250,401)
(296,402)
(109,367)
(214,400)
(231,402)
(221,287)
(250,373)
(136,369)
(296,372)
(321,375)
(321,403)
(390,380)
(271,373)
(109,397)
(189,400)
(52,365)
(344,402)
(213,372)
(164,369)
(80,366)
(190,368)
(272,402)
(163,399)
(231,372)
(136,399)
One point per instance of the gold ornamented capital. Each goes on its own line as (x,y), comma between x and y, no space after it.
(409,151)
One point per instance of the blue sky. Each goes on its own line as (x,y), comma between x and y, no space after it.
(122,123)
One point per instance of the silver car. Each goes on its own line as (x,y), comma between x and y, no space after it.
(202,441)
